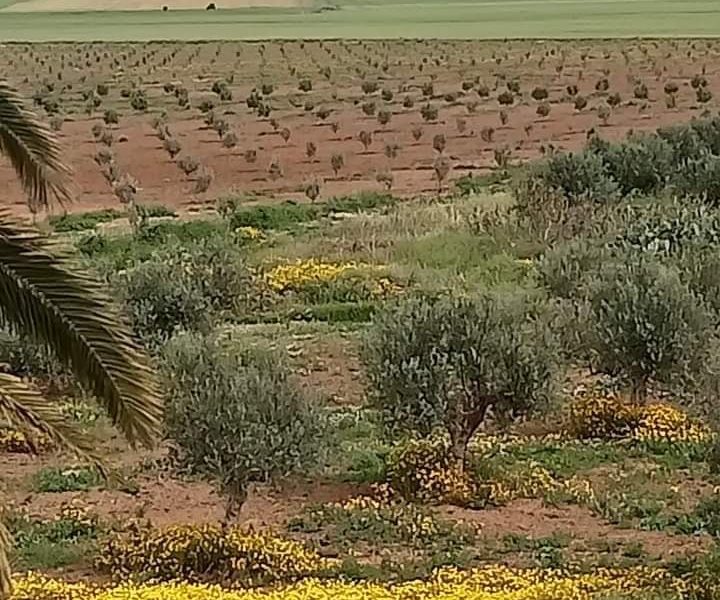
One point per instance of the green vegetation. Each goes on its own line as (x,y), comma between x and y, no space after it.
(370,19)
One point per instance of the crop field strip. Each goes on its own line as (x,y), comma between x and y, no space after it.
(363,20)
(272,118)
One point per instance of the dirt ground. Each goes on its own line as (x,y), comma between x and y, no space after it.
(525,135)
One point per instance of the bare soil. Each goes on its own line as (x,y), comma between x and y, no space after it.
(525,135)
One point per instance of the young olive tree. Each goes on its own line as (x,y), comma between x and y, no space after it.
(450,362)
(646,325)
(236,416)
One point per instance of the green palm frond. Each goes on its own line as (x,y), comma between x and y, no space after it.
(64,310)
(33,151)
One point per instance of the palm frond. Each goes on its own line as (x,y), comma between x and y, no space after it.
(23,408)
(5,573)
(33,151)
(64,310)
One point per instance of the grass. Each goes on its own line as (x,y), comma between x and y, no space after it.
(54,479)
(52,544)
(371,19)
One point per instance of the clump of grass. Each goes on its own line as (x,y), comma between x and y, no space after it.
(56,479)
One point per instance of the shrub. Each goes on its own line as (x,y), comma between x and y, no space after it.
(603,416)
(543,110)
(188,165)
(646,325)
(429,112)
(14,441)
(640,91)
(322,282)
(425,470)
(447,362)
(138,100)
(580,177)
(506,98)
(111,117)
(172,147)
(54,479)
(185,288)
(564,269)
(203,554)
(52,543)
(237,416)
(539,94)
(641,164)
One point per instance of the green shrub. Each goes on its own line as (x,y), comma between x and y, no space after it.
(447,361)
(50,544)
(236,415)
(186,288)
(83,221)
(564,269)
(379,522)
(335,312)
(580,177)
(273,216)
(646,325)
(641,164)
(55,479)
(700,177)
(24,358)
(290,214)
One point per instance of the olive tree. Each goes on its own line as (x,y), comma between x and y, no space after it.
(449,362)
(646,325)
(236,416)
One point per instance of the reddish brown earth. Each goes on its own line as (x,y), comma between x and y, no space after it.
(552,65)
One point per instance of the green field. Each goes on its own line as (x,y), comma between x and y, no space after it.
(371,19)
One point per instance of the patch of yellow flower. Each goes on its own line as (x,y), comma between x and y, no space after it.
(206,553)
(609,416)
(13,441)
(486,583)
(303,274)
(660,422)
(535,481)
(249,234)
(425,470)
(390,518)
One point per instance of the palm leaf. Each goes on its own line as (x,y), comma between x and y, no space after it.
(33,151)
(64,310)
(5,545)
(24,409)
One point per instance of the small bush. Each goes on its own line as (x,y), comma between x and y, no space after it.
(581,177)
(237,416)
(425,470)
(646,326)
(207,554)
(447,362)
(83,221)
(54,479)
(185,288)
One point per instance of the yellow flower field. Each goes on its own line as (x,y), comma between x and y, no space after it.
(488,583)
